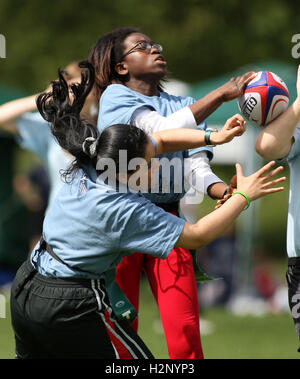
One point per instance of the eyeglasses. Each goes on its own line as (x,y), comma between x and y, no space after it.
(143,46)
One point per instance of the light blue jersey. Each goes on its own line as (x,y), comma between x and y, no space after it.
(35,135)
(117,105)
(92,226)
(293,225)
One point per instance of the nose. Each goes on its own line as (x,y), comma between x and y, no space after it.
(155,48)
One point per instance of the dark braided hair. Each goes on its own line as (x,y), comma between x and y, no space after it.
(79,137)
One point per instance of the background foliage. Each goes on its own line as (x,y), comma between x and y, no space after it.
(201,38)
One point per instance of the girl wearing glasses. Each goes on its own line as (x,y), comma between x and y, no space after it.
(130,70)
(59,302)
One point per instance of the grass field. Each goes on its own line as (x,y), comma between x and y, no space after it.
(231,337)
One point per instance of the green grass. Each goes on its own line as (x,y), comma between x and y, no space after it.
(233,337)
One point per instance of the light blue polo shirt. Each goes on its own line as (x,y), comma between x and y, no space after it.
(293,223)
(35,135)
(92,226)
(117,105)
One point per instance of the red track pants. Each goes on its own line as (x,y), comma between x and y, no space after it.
(174,287)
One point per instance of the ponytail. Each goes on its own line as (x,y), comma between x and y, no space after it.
(76,136)
(79,137)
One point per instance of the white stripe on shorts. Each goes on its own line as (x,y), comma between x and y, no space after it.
(122,336)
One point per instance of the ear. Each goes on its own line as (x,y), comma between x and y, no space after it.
(121,68)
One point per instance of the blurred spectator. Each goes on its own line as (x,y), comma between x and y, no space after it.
(217,260)
(263,278)
(23,200)
(33,191)
(13,216)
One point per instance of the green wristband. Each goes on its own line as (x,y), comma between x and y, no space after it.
(245,196)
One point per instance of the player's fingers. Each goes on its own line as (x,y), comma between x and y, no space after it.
(236,120)
(246,78)
(236,130)
(272,190)
(274,182)
(265,169)
(237,117)
(239,170)
(273,173)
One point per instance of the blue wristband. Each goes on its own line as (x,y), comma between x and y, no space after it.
(154,144)
(207,137)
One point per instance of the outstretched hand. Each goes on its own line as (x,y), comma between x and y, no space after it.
(235,86)
(235,126)
(260,183)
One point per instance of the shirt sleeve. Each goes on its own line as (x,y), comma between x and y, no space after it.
(198,173)
(34,133)
(117,105)
(149,229)
(295,149)
(151,121)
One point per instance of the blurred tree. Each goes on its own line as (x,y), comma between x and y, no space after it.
(201,38)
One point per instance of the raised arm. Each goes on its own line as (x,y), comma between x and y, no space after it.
(234,88)
(182,139)
(275,140)
(11,111)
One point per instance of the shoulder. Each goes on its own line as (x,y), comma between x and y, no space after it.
(117,104)
(116,90)
(185,101)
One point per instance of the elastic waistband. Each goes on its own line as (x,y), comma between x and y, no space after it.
(294,261)
(56,282)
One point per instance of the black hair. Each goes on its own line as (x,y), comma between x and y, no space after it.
(105,54)
(79,137)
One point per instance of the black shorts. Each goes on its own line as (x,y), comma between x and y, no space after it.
(62,318)
(293,281)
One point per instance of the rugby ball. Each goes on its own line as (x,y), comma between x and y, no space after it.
(265,98)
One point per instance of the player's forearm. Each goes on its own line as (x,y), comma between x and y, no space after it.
(169,141)
(14,109)
(211,226)
(184,139)
(275,140)
(217,190)
(205,106)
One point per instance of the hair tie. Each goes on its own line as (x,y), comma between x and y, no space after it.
(91,149)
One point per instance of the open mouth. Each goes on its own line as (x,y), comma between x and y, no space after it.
(160,58)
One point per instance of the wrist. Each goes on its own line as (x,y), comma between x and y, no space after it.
(220,94)
(212,137)
(245,196)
